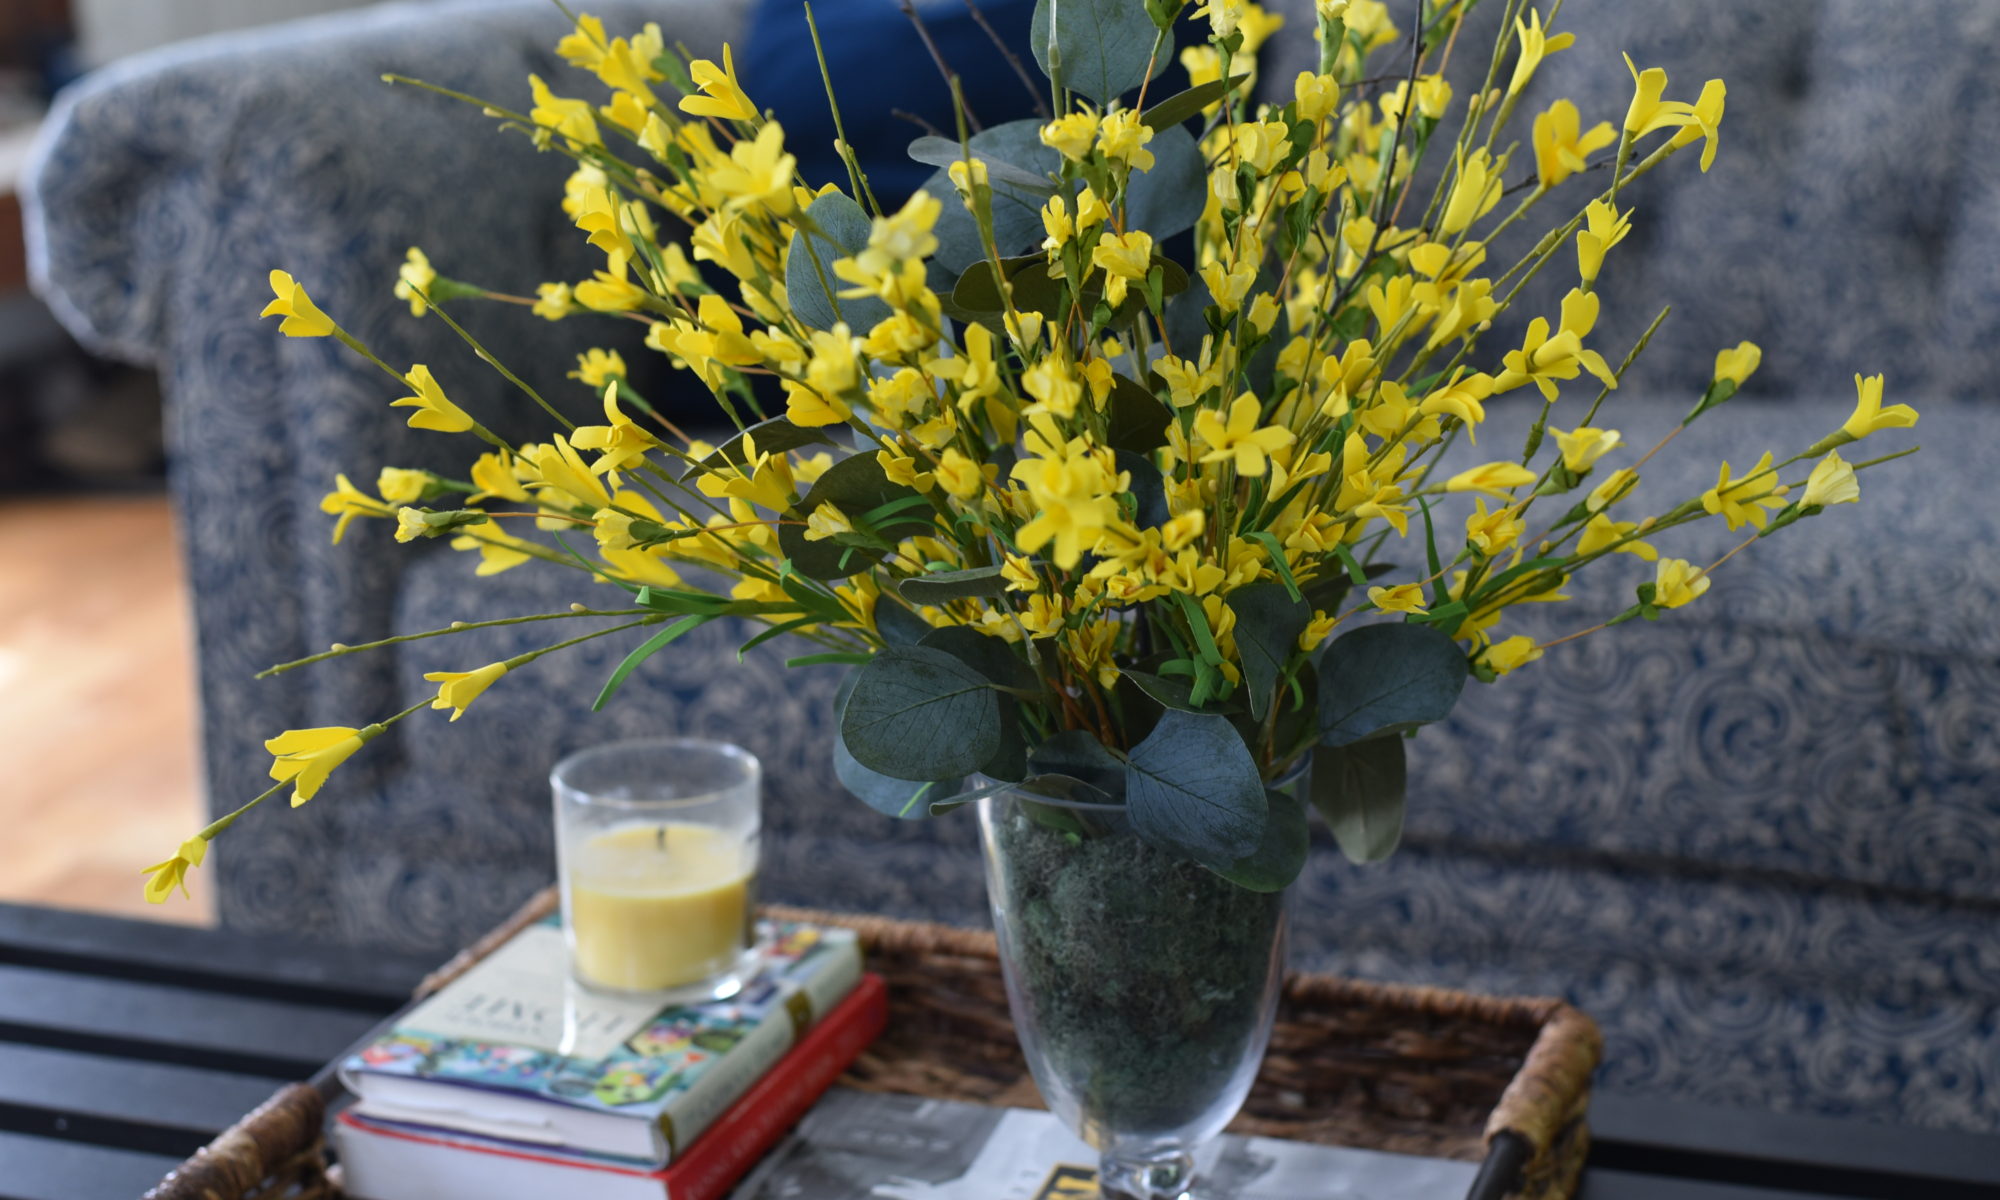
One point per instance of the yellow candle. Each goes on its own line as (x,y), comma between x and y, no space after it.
(658,905)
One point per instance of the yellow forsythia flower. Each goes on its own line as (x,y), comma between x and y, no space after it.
(721,95)
(1648,112)
(433,411)
(308,756)
(1314,96)
(400,485)
(1123,137)
(553,301)
(1831,482)
(1869,416)
(1494,478)
(825,521)
(1492,532)
(1403,598)
(1583,446)
(1739,364)
(1603,532)
(1512,654)
(1474,194)
(1071,135)
(1604,228)
(1239,439)
(1536,45)
(413,281)
(458,689)
(1677,582)
(554,114)
(171,874)
(1316,630)
(302,317)
(1746,501)
(961,476)
(1705,121)
(410,524)
(1124,257)
(349,502)
(598,367)
(1561,148)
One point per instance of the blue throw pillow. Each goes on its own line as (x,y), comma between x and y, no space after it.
(879,67)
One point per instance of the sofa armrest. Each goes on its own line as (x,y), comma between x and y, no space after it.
(163,193)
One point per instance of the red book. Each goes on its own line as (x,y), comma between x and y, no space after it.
(402,1162)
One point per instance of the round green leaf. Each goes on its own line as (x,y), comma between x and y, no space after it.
(1280,857)
(1268,625)
(990,656)
(807,291)
(1104,46)
(1390,678)
(1191,786)
(918,713)
(1359,790)
(857,486)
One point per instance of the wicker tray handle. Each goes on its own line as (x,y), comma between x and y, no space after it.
(274,1151)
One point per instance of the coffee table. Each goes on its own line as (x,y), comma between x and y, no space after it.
(125,1045)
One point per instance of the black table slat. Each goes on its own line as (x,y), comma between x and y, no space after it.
(276,967)
(117,1102)
(1768,1149)
(33,1168)
(1622,1185)
(172,1024)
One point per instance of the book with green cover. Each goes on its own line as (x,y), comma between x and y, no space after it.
(515,1049)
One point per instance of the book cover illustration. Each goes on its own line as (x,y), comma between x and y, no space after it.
(617,1062)
(858,1146)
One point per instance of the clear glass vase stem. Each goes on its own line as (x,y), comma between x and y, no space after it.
(1165,1175)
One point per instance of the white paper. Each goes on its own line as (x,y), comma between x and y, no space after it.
(871,1147)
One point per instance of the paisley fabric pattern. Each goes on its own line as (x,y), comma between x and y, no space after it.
(1759,840)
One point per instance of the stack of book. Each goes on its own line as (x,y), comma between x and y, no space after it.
(513,1081)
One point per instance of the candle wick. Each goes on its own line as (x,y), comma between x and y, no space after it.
(660,838)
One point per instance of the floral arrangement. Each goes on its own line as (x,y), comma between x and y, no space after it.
(1088,519)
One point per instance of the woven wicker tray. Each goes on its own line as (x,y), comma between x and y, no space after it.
(1417,1070)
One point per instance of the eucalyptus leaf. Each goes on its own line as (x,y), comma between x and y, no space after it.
(903,799)
(1101,48)
(938,587)
(943,152)
(1017,211)
(1075,754)
(918,713)
(855,485)
(770,437)
(990,656)
(1147,487)
(1010,761)
(1391,678)
(1168,199)
(898,625)
(1268,624)
(1136,419)
(1359,789)
(1192,786)
(1173,693)
(806,292)
(1186,105)
(1280,857)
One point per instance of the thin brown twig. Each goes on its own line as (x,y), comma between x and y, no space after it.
(1013,60)
(919,122)
(937,56)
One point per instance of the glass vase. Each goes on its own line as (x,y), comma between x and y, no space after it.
(1143,986)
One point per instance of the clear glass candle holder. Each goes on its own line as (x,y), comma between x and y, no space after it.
(656,854)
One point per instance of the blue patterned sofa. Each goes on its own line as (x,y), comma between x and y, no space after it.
(1759,840)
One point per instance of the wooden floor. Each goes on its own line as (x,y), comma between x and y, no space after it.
(98,774)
